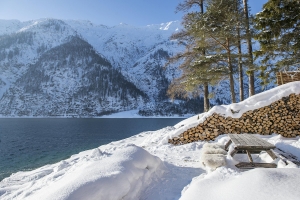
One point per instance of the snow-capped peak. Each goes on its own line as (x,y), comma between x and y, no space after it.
(168,26)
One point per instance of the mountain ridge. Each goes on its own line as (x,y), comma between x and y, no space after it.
(136,54)
(34,57)
(79,83)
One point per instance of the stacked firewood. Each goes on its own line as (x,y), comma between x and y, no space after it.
(281,117)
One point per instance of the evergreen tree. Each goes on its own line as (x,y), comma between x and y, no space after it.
(185,84)
(279,36)
(219,26)
(213,46)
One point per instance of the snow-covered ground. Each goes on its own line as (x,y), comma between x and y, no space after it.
(145,166)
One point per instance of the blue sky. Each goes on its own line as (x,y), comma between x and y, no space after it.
(107,12)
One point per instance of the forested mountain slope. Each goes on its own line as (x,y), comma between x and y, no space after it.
(53,67)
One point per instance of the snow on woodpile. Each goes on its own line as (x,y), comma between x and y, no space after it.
(273,111)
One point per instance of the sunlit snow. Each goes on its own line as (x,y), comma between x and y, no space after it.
(145,167)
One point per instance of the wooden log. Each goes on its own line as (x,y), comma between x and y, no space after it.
(245,165)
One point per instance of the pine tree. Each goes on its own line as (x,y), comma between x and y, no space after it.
(185,6)
(212,39)
(182,86)
(278,28)
(219,25)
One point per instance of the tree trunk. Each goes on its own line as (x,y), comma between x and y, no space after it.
(231,81)
(205,86)
(206,100)
(251,71)
(241,78)
(240,66)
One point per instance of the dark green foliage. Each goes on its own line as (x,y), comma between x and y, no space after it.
(278,28)
(212,40)
(191,106)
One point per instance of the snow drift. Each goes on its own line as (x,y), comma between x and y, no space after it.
(128,170)
(227,184)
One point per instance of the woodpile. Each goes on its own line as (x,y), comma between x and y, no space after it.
(281,117)
(287,77)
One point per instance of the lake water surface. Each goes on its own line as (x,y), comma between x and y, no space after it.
(26,144)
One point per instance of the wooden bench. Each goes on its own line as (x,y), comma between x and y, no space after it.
(248,143)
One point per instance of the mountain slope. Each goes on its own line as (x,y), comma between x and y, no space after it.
(43,74)
(70,80)
(35,58)
(21,44)
(138,52)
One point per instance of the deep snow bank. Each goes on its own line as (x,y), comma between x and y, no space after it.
(228,184)
(121,173)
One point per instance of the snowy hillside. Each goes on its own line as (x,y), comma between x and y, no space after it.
(145,166)
(136,54)
(36,48)
(22,44)
(70,80)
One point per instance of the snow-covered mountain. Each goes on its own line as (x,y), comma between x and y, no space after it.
(70,79)
(53,67)
(138,52)
(107,69)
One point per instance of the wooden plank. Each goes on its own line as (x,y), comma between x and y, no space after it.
(287,156)
(254,140)
(263,142)
(246,165)
(252,148)
(273,156)
(250,141)
(242,140)
(249,156)
(234,139)
(228,144)
(237,140)
(233,152)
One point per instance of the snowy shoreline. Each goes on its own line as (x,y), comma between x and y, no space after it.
(145,166)
(124,114)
